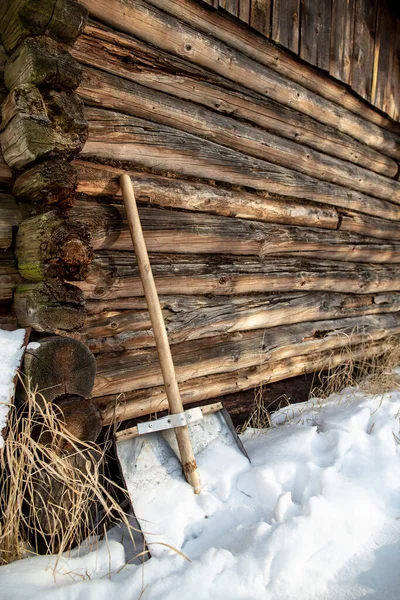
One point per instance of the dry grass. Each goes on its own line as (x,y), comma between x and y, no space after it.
(53,491)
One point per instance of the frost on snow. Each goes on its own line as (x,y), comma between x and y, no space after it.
(315,516)
(11,351)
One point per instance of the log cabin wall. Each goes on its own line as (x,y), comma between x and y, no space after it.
(355,41)
(268,195)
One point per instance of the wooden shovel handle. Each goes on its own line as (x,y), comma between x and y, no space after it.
(160,334)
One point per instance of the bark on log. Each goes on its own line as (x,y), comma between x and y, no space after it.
(131,405)
(115,275)
(191,317)
(34,125)
(139,369)
(60,366)
(115,136)
(62,20)
(171,35)
(10,217)
(9,276)
(51,306)
(50,182)
(134,60)
(192,233)
(42,61)
(267,53)
(107,91)
(156,190)
(50,246)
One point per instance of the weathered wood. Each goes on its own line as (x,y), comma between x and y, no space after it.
(139,369)
(155,190)
(196,317)
(383,56)
(51,181)
(62,20)
(363,49)
(5,173)
(35,125)
(151,25)
(10,217)
(341,49)
(260,16)
(366,225)
(315,33)
(81,418)
(51,246)
(117,136)
(130,405)
(192,233)
(50,306)
(286,23)
(42,61)
(244,10)
(115,275)
(394,97)
(59,366)
(9,276)
(125,57)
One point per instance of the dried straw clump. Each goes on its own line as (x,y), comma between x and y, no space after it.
(53,492)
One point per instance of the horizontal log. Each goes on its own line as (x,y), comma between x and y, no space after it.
(115,136)
(9,276)
(5,174)
(192,233)
(10,217)
(107,91)
(115,275)
(156,190)
(119,372)
(370,226)
(126,57)
(196,317)
(170,34)
(278,59)
(132,405)
(51,181)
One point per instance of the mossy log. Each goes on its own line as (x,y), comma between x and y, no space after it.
(42,62)
(116,136)
(107,91)
(196,317)
(58,367)
(51,246)
(140,369)
(131,59)
(115,275)
(131,405)
(193,233)
(51,306)
(53,181)
(36,124)
(150,24)
(62,20)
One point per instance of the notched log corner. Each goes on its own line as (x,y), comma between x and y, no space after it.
(51,306)
(52,181)
(50,246)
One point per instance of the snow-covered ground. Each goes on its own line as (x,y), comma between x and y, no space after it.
(316,515)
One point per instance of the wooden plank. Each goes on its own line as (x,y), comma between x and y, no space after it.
(231,6)
(342,31)
(394,100)
(109,51)
(286,23)
(244,11)
(260,16)
(315,32)
(363,47)
(383,57)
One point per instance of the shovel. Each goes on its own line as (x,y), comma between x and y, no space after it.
(159,449)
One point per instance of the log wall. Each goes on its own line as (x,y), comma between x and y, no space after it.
(355,41)
(268,193)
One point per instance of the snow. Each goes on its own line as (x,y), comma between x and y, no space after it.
(11,351)
(316,515)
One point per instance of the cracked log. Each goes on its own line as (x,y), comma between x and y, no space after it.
(52,181)
(10,217)
(50,246)
(116,136)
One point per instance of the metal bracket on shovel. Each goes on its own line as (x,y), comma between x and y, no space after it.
(171,421)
